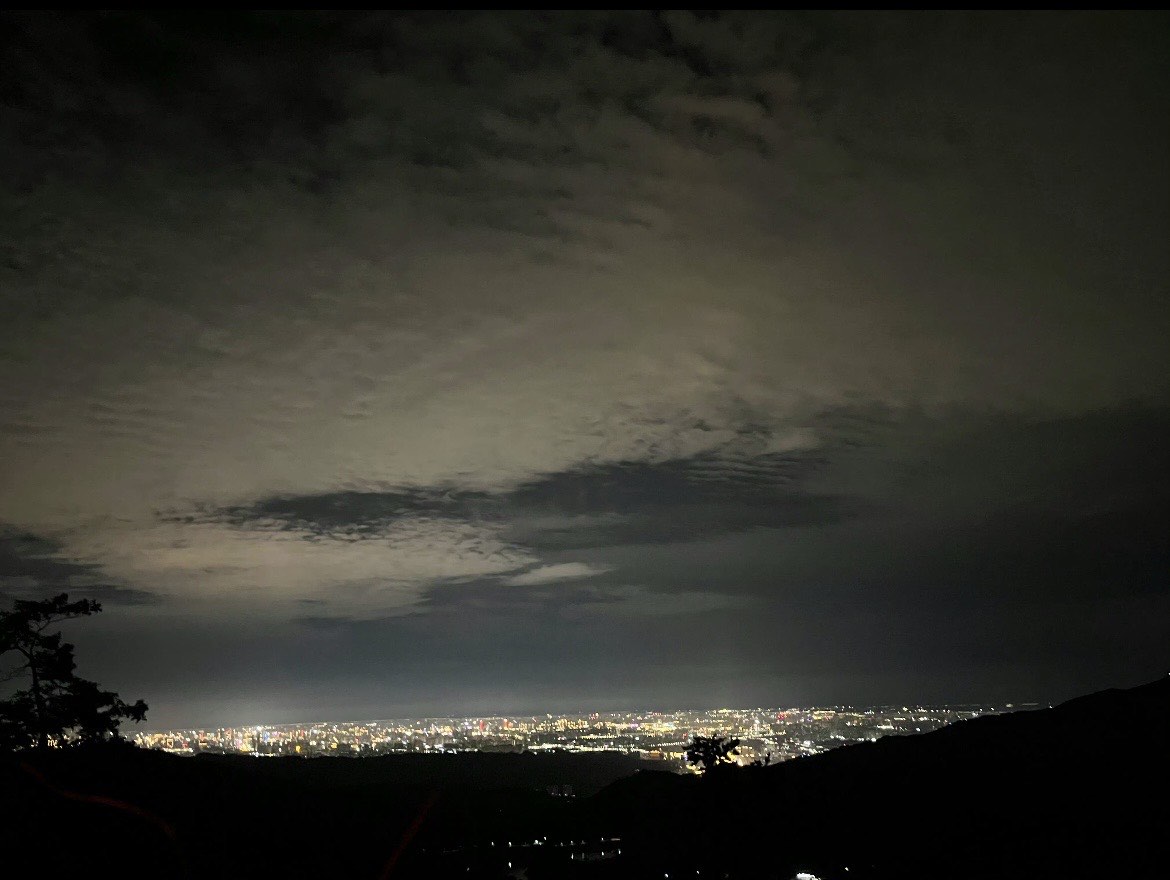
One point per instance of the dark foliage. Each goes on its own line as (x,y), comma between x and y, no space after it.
(711,752)
(58,707)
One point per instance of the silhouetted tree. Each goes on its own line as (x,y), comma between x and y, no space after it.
(57,706)
(709,752)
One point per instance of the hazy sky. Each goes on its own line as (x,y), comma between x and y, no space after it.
(372,364)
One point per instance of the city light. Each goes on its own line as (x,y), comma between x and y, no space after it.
(770,735)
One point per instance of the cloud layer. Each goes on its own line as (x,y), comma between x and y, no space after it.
(625,316)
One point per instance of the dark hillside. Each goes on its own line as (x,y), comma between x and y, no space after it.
(65,814)
(1075,791)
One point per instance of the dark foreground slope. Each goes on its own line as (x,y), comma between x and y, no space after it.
(1075,791)
(126,811)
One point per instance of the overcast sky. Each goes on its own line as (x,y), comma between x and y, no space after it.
(365,365)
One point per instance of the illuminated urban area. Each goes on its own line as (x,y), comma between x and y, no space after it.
(781,734)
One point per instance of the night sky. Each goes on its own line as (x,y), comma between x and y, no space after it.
(366,365)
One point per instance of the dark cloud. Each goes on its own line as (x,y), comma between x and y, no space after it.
(619,503)
(255,91)
(33,567)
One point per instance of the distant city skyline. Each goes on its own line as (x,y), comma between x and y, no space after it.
(765,734)
(585,713)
